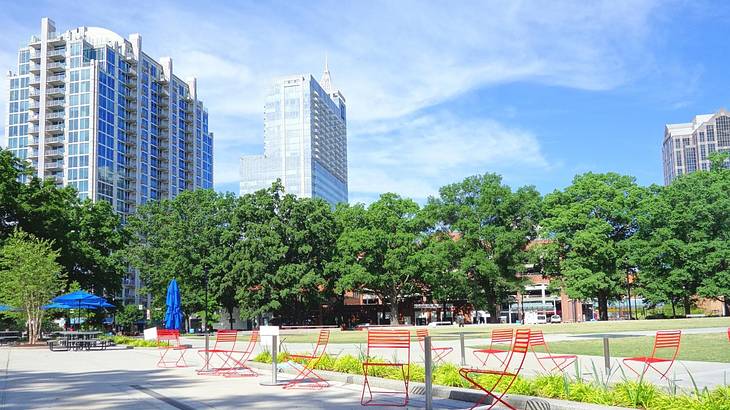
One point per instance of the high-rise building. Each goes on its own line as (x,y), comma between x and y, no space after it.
(687,146)
(90,109)
(305,140)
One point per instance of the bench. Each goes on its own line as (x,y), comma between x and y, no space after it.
(695,315)
(434,324)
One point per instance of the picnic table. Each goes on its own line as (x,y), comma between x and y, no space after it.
(8,337)
(77,341)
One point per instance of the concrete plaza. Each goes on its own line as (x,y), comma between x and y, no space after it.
(36,378)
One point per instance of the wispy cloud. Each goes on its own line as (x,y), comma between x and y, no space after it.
(392,60)
(415,156)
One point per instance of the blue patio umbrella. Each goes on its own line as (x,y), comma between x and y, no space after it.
(79,300)
(173,314)
(3,308)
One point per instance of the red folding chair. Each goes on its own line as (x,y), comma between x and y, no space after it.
(168,342)
(499,336)
(512,367)
(439,353)
(728,334)
(393,341)
(559,361)
(239,358)
(222,352)
(666,341)
(304,371)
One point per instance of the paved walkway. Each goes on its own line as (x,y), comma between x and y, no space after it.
(128,379)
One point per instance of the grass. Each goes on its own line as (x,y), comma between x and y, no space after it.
(708,347)
(482,331)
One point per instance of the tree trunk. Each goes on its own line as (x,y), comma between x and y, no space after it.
(603,307)
(687,305)
(230,316)
(394,310)
(674,309)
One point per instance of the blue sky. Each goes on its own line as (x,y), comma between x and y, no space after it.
(535,91)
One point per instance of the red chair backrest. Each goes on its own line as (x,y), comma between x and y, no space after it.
(536,338)
(225,336)
(168,335)
(518,352)
(390,340)
(322,340)
(728,334)
(502,335)
(421,334)
(667,339)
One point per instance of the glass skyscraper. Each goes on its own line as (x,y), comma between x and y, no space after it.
(305,140)
(687,146)
(89,109)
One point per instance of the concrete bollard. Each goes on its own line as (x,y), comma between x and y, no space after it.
(463,349)
(606,356)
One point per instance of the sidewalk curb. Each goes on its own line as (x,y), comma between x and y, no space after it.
(453,393)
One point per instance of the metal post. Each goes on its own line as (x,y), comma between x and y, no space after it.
(463,350)
(606,356)
(429,372)
(274,356)
(205,323)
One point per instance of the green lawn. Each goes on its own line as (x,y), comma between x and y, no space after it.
(710,347)
(482,331)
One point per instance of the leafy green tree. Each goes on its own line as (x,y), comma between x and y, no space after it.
(29,277)
(380,249)
(129,316)
(491,226)
(181,238)
(684,245)
(589,223)
(281,257)
(87,235)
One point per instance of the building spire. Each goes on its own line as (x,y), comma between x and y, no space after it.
(326,80)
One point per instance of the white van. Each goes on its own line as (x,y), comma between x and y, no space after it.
(534,318)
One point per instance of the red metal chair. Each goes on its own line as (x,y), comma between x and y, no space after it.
(559,361)
(512,367)
(222,351)
(499,336)
(439,353)
(393,341)
(239,359)
(168,340)
(666,341)
(728,334)
(305,370)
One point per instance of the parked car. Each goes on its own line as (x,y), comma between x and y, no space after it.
(534,318)
(555,319)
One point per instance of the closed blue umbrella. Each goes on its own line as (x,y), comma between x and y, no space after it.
(3,308)
(173,314)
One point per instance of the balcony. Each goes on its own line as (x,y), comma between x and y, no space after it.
(53,165)
(53,153)
(56,67)
(55,115)
(33,130)
(59,54)
(34,106)
(57,140)
(35,68)
(56,91)
(34,118)
(32,153)
(55,128)
(56,79)
(33,142)
(58,102)
(35,81)
(34,93)
(132,72)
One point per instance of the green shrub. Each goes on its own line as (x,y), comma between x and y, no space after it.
(348,364)
(263,357)
(448,375)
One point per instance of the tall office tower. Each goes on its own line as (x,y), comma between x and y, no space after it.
(305,140)
(90,110)
(687,146)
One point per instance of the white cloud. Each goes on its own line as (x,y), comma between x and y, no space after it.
(391,59)
(414,157)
